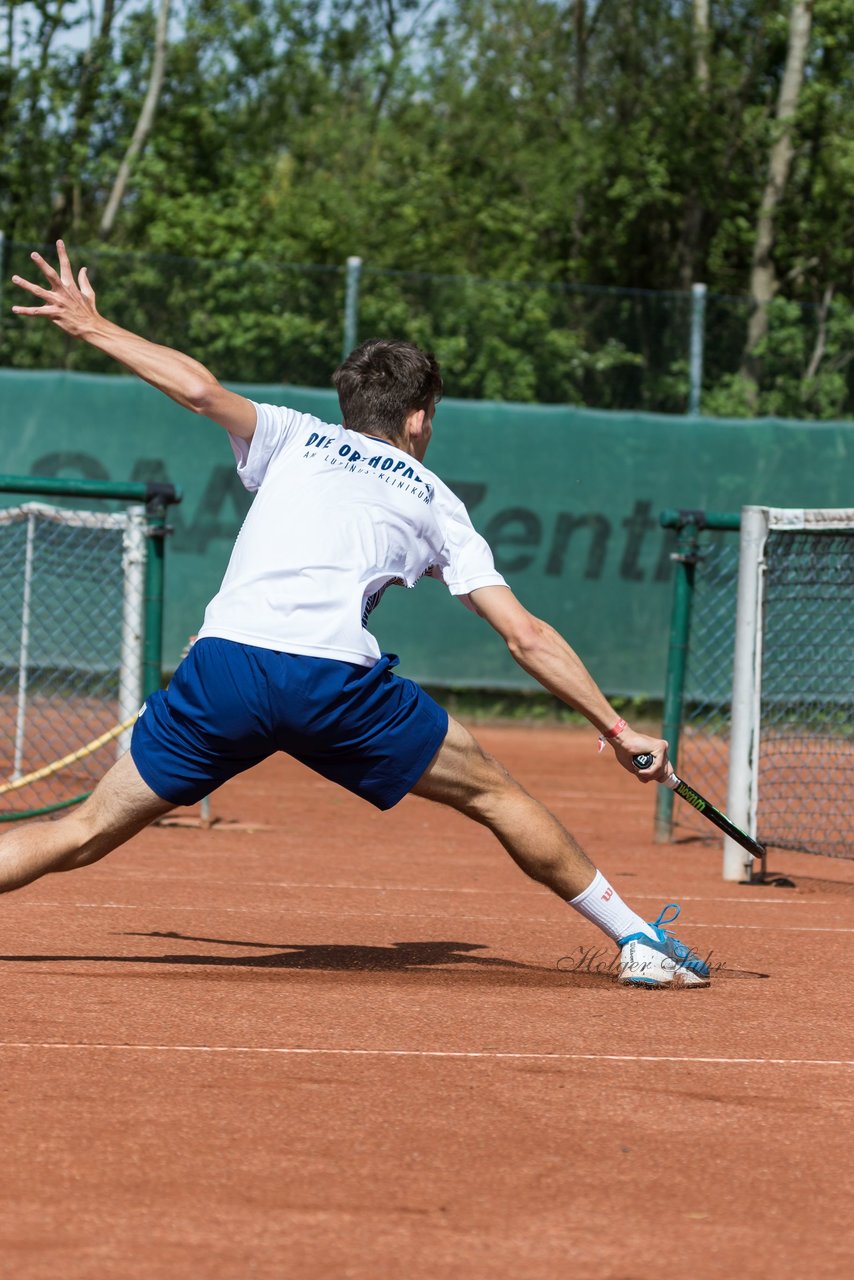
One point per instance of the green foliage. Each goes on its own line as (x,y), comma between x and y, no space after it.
(502,167)
(789,388)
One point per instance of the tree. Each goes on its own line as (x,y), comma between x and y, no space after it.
(143,124)
(763,277)
(532,185)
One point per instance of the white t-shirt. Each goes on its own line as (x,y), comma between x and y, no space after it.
(338,516)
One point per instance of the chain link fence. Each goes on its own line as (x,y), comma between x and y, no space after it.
(607,348)
(249,321)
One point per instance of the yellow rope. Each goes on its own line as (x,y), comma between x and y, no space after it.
(48,769)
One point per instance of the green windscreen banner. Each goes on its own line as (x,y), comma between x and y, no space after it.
(567,497)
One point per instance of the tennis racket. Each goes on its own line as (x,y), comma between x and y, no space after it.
(706,808)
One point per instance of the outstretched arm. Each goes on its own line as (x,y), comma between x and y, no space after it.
(545,655)
(71,306)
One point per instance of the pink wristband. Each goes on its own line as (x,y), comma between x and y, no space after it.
(616,731)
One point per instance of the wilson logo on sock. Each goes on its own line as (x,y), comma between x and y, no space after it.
(608,894)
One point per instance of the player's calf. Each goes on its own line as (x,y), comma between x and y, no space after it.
(119,807)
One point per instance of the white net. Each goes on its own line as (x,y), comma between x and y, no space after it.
(71,618)
(805,783)
(801,727)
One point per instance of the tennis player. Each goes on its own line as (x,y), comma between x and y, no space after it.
(284,660)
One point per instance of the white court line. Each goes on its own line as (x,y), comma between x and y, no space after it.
(409,888)
(291,914)
(485,1055)
(321,884)
(773,928)
(399,888)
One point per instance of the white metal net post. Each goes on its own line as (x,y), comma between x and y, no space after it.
(133,622)
(791,777)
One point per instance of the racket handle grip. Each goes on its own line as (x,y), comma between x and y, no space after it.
(644,760)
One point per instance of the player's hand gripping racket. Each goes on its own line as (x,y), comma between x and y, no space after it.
(706,808)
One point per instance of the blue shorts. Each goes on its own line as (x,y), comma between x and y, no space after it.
(231,705)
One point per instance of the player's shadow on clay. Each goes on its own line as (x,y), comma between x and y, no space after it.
(399,958)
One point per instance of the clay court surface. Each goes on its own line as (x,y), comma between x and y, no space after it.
(319,1041)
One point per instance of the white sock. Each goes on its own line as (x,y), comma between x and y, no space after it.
(601,904)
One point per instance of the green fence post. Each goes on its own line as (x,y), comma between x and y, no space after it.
(152,649)
(685,558)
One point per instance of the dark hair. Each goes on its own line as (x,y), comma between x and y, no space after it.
(383,381)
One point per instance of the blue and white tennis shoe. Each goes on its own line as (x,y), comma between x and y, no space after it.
(663,960)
